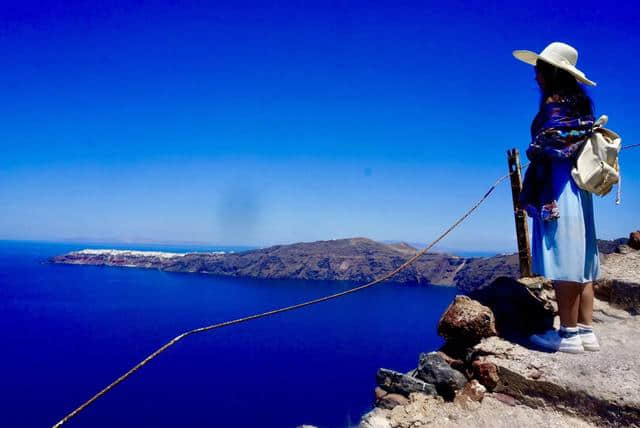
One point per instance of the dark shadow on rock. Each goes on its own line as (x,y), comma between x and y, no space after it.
(519,311)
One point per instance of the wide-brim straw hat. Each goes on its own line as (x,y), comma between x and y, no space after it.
(558,54)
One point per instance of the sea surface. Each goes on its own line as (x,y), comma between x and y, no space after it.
(68,331)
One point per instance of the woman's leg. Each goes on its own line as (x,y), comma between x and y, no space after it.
(585,311)
(568,298)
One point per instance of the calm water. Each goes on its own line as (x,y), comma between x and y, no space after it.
(67,331)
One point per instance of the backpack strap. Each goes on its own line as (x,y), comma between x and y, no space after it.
(618,192)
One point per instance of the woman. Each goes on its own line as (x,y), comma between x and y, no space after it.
(564,238)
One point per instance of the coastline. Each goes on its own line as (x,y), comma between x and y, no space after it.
(352,260)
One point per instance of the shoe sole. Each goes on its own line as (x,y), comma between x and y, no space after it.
(591,348)
(572,350)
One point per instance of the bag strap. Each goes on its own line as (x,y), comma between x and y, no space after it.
(602,120)
(618,191)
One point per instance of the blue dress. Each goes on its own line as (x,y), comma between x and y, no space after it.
(565,248)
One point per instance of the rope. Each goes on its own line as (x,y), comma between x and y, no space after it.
(280,310)
(289,308)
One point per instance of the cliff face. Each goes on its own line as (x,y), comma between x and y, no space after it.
(355,259)
(488,373)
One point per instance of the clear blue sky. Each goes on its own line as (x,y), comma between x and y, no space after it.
(272,122)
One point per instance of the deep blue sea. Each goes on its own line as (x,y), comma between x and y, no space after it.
(68,331)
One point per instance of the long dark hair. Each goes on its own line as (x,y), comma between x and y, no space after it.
(557,81)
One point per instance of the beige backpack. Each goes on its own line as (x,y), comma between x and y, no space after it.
(597,168)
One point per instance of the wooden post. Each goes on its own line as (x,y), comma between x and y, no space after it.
(520,215)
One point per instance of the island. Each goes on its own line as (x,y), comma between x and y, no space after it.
(352,259)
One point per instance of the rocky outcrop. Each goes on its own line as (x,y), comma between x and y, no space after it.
(600,388)
(509,380)
(465,322)
(494,411)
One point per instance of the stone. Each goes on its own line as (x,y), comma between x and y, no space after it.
(388,400)
(473,390)
(505,398)
(377,418)
(486,373)
(399,383)
(534,283)
(434,370)
(624,249)
(521,308)
(465,322)
(455,363)
(391,400)
(634,240)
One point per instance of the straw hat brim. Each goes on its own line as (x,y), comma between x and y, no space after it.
(531,57)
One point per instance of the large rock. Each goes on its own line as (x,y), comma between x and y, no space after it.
(634,240)
(434,370)
(465,322)
(520,307)
(400,383)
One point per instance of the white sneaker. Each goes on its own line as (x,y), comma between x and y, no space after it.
(566,339)
(588,337)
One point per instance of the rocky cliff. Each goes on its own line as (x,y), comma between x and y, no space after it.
(355,259)
(488,374)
